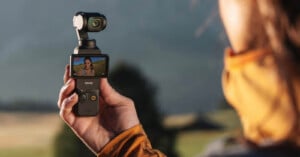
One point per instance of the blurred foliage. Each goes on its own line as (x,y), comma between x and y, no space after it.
(27,105)
(66,144)
(129,81)
(224,104)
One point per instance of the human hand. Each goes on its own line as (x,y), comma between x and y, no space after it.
(116,114)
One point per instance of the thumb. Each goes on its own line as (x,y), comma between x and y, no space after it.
(111,96)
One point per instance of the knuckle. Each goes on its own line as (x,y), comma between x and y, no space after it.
(58,103)
(128,101)
(61,113)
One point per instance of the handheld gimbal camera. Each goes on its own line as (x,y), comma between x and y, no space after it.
(88,65)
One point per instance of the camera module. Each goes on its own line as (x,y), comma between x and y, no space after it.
(89,22)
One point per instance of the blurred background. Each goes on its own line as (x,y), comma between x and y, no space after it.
(166,55)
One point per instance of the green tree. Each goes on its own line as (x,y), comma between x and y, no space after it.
(67,144)
(223,104)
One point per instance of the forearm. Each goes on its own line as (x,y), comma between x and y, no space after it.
(132,142)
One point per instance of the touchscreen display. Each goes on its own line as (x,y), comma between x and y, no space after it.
(89,66)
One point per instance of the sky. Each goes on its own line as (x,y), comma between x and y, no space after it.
(177,44)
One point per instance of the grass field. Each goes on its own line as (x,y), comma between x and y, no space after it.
(31,134)
(192,143)
(27,134)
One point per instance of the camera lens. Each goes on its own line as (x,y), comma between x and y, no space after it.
(96,24)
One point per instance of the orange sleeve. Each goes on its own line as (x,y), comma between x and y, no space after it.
(132,142)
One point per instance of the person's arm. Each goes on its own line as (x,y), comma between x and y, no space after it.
(104,133)
(132,142)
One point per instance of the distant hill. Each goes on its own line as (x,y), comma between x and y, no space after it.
(28,106)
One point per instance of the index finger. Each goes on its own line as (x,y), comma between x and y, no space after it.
(67,73)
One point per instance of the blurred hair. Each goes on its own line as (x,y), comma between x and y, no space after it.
(281,22)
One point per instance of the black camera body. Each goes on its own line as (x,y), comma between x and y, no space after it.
(87,64)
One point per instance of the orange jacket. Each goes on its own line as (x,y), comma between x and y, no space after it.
(132,142)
